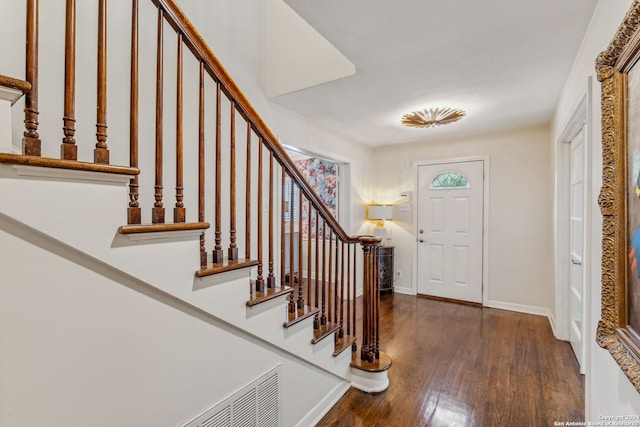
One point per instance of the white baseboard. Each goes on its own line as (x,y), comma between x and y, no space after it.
(405,291)
(321,409)
(529,309)
(552,322)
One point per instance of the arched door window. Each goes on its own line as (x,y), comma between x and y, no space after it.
(448,181)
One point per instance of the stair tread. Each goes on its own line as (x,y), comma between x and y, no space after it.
(45,162)
(268,294)
(155,228)
(300,315)
(324,331)
(378,365)
(343,343)
(17,84)
(225,266)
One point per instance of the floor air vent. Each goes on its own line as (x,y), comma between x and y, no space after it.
(255,405)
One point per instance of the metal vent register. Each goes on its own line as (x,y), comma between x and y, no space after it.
(255,405)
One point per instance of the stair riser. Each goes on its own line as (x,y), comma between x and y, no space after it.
(7,97)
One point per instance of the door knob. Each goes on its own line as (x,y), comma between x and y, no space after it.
(421,240)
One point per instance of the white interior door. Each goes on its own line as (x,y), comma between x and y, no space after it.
(450,221)
(576,249)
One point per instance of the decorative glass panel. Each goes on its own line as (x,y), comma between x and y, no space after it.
(449,180)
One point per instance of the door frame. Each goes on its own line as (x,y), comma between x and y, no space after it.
(560,318)
(485,159)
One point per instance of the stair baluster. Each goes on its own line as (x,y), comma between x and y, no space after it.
(310,275)
(201,164)
(157,213)
(31,145)
(338,284)
(317,279)
(353,313)
(323,309)
(330,285)
(179,212)
(291,225)
(341,310)
(101,152)
(68,149)
(218,254)
(233,247)
(300,301)
(247,200)
(283,210)
(271,278)
(260,279)
(134,212)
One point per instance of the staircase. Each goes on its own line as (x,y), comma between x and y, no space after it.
(189,140)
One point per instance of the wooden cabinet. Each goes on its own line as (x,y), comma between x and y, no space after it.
(386,269)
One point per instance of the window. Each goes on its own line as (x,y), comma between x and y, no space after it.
(291,207)
(449,180)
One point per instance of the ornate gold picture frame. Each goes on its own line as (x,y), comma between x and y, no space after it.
(618,71)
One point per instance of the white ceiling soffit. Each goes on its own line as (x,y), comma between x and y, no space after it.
(296,55)
(502,61)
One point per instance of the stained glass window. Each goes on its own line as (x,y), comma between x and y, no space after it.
(449,180)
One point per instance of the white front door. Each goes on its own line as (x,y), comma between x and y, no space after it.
(576,249)
(449,235)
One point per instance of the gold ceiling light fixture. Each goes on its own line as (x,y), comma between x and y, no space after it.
(432,117)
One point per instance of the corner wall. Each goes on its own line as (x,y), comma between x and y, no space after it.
(608,391)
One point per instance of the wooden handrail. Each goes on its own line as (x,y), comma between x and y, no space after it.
(175,17)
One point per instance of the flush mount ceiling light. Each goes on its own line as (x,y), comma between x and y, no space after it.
(432,117)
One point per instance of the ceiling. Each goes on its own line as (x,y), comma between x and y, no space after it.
(502,61)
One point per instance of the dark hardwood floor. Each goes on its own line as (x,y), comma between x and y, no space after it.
(457,365)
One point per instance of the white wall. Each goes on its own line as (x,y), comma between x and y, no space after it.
(85,345)
(608,391)
(520,236)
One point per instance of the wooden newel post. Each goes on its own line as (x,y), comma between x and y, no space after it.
(371,364)
(370,347)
